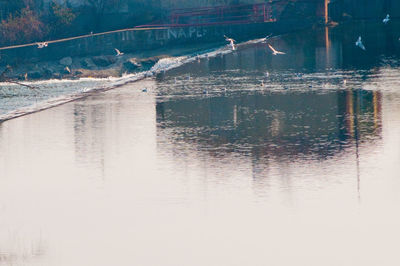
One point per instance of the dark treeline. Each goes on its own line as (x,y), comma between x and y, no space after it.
(24,21)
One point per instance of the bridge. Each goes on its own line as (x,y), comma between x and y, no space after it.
(182,27)
(242,13)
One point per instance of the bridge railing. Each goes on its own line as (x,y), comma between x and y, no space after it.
(231,14)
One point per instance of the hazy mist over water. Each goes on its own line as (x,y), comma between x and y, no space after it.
(218,163)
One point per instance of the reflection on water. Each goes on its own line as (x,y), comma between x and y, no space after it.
(275,124)
(226,166)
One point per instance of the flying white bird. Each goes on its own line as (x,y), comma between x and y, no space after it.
(42,45)
(67,69)
(386,20)
(360,44)
(266,38)
(231,42)
(118,52)
(275,52)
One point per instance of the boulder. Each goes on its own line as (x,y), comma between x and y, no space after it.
(78,72)
(66,61)
(150,61)
(35,75)
(47,73)
(131,65)
(104,61)
(57,76)
(88,63)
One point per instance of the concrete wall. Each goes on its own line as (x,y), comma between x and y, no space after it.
(136,41)
(162,3)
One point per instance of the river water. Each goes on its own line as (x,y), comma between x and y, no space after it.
(244,158)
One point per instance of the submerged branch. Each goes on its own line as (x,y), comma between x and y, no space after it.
(21,84)
(4,78)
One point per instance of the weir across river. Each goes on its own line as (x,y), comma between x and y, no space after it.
(184,26)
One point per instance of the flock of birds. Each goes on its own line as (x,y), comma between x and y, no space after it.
(359,42)
(232,44)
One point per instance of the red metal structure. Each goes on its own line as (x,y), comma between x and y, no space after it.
(270,11)
(223,14)
(217,15)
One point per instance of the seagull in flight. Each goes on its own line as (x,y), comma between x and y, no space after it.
(118,52)
(232,42)
(266,38)
(274,52)
(42,44)
(386,20)
(67,69)
(360,44)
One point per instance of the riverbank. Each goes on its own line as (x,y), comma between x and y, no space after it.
(101,66)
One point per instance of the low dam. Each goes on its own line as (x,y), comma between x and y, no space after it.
(209,26)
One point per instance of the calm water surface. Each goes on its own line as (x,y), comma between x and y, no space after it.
(218,163)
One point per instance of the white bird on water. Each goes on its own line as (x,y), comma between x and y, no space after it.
(360,44)
(275,52)
(118,52)
(386,20)
(231,42)
(42,44)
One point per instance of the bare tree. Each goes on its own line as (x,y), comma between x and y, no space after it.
(98,8)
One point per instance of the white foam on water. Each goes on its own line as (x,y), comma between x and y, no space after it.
(83,92)
(93,85)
